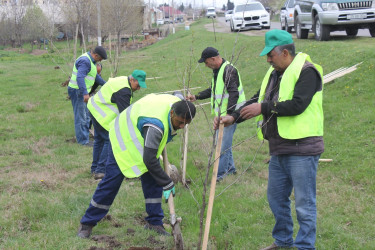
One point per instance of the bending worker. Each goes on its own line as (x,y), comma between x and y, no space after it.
(83,77)
(137,138)
(289,113)
(114,97)
(226,93)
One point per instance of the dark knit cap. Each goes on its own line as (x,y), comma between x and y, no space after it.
(101,52)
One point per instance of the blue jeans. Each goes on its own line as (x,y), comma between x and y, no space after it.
(100,151)
(81,117)
(285,173)
(108,188)
(226,164)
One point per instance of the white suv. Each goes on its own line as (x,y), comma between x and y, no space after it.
(251,15)
(211,12)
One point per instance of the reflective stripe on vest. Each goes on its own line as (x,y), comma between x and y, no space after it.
(127,141)
(308,123)
(101,106)
(221,94)
(89,79)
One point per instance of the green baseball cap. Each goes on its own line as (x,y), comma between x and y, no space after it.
(276,38)
(140,76)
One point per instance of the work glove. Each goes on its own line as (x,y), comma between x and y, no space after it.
(167,190)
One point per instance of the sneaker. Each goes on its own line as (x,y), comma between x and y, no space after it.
(84,231)
(271,247)
(89,144)
(157,228)
(98,176)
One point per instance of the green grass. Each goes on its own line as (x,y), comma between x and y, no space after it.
(45,185)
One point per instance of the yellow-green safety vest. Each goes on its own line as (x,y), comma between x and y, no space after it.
(222,93)
(89,79)
(309,122)
(127,141)
(100,104)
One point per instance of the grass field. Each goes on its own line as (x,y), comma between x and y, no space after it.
(45,182)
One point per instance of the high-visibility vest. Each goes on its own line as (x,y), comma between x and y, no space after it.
(89,79)
(100,104)
(309,122)
(126,139)
(221,93)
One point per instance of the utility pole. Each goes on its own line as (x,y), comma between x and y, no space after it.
(149,16)
(99,24)
(173,17)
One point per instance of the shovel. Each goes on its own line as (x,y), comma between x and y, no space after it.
(175,222)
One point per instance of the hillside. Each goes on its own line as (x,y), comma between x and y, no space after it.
(45,180)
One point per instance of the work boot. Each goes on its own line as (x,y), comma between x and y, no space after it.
(98,176)
(157,228)
(84,231)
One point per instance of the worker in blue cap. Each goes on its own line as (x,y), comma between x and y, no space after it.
(289,114)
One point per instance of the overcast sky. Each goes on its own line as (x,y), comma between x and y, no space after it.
(198,3)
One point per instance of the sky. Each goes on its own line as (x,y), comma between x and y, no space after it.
(216,3)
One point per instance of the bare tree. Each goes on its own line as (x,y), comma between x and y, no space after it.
(79,13)
(14,13)
(126,17)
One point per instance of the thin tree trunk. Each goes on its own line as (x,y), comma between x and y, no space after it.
(75,43)
(83,37)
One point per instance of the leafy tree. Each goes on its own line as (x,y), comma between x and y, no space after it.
(33,27)
(223,7)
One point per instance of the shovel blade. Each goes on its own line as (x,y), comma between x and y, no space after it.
(177,236)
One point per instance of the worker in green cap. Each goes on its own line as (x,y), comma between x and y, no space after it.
(114,97)
(289,114)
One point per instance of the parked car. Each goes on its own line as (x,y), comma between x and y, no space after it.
(159,21)
(324,16)
(287,16)
(228,15)
(211,13)
(250,15)
(167,20)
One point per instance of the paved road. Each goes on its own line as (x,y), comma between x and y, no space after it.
(224,27)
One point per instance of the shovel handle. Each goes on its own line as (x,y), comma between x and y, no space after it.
(166,169)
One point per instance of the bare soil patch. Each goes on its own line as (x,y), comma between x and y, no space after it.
(37,52)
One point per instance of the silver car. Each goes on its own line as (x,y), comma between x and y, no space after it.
(287,16)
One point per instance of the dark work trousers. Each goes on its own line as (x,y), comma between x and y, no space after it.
(100,150)
(108,188)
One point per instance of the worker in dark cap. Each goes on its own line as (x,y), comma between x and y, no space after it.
(83,77)
(227,94)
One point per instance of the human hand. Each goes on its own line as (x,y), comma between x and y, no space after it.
(191,98)
(167,193)
(251,111)
(227,120)
(86,98)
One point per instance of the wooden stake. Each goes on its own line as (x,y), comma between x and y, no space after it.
(213,186)
(184,155)
(325,160)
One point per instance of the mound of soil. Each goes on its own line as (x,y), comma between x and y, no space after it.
(37,52)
